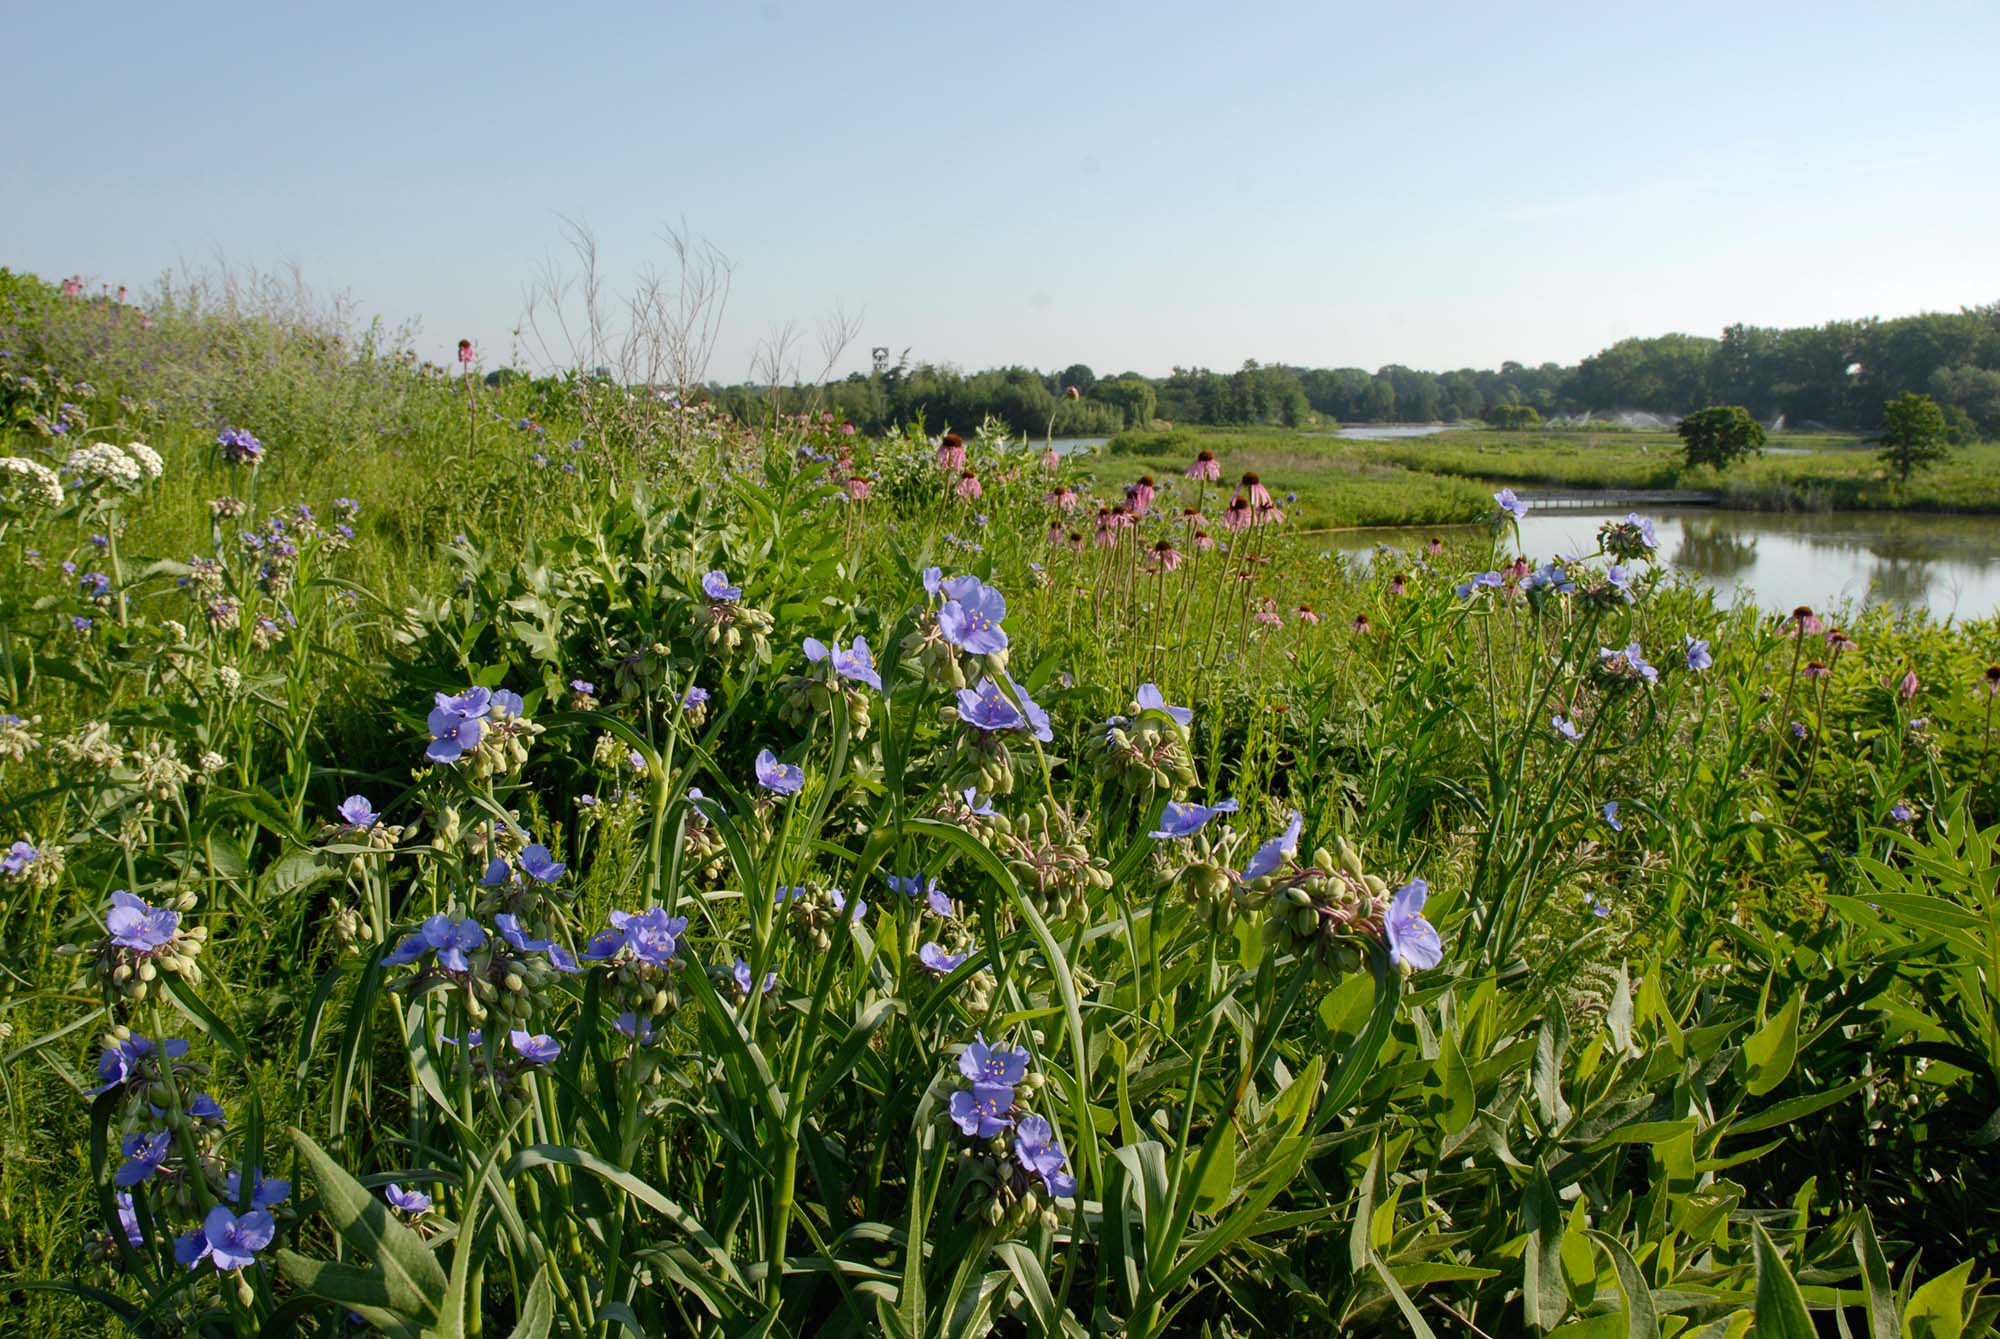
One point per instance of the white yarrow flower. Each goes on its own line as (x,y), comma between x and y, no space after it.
(30,482)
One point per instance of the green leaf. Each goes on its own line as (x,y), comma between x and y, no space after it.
(1780,1306)
(1220,1178)
(1641,1320)
(1937,1310)
(1875,1274)
(539,1311)
(415,1281)
(1770,1051)
(1544,1298)
(1413,1317)
(1460,1102)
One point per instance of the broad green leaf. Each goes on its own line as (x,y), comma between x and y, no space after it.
(416,1282)
(1771,1049)
(1780,1307)
(1937,1309)
(1641,1320)
(1460,1103)
(1544,1298)
(1220,1178)
(1875,1275)
(539,1311)
(1411,1316)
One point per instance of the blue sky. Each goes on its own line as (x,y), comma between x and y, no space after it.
(1130,186)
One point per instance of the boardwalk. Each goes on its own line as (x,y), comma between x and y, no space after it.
(1610,499)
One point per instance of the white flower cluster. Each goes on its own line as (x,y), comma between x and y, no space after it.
(149,459)
(30,482)
(103,461)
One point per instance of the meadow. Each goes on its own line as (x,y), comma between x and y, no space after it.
(1435,480)
(553,860)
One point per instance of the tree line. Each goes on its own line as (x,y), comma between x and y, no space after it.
(1836,375)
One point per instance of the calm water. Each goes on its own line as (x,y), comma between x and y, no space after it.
(1948,564)
(1389,432)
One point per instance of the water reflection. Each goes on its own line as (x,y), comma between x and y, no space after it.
(1947,564)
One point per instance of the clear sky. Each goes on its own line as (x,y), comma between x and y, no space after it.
(1125,185)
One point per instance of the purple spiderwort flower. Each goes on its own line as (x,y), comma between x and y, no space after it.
(773,775)
(1413,941)
(637,1028)
(412,1202)
(740,974)
(715,585)
(859,910)
(1902,812)
(121,1062)
(973,803)
(1611,815)
(1697,653)
(987,708)
(1510,504)
(136,924)
(694,697)
(18,857)
(474,1038)
(939,962)
(509,926)
(939,903)
(266,1192)
(1185,818)
(450,939)
(1632,658)
(1151,699)
(1038,720)
(227,1240)
(128,1219)
(143,1155)
(1484,581)
(1566,728)
(971,615)
(356,812)
(452,735)
(1275,851)
(537,1048)
(540,865)
(1041,1154)
(981,1110)
(982,1063)
(652,936)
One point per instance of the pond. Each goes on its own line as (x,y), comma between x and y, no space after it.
(1386,432)
(1949,565)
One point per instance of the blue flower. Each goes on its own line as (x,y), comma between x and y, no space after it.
(453,733)
(118,1064)
(783,778)
(740,974)
(1566,728)
(143,1155)
(1038,720)
(128,1219)
(1185,818)
(939,962)
(1275,851)
(715,585)
(1697,653)
(226,1240)
(1040,1153)
(412,1202)
(537,1049)
(987,708)
(973,803)
(356,812)
(1510,504)
(265,1191)
(652,937)
(857,664)
(1632,658)
(1151,699)
(915,885)
(17,858)
(1620,579)
(982,1063)
(540,865)
(693,698)
(840,904)
(1611,815)
(450,939)
(136,924)
(933,579)
(1484,581)
(1413,941)
(637,1028)
(970,618)
(982,1110)
(1901,813)
(509,926)
(939,903)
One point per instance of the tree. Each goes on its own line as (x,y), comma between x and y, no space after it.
(1913,433)
(1721,435)
(1512,417)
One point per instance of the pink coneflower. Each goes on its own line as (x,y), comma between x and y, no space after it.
(1306,614)
(1121,516)
(1990,681)
(1166,555)
(1202,541)
(465,352)
(1841,642)
(1252,487)
(1076,541)
(847,429)
(1206,468)
(1107,535)
(859,488)
(1398,583)
(1063,498)
(1907,687)
(1055,533)
(1269,514)
(1267,613)
(1518,569)
(1237,515)
(1816,669)
(1435,547)
(1361,626)
(1050,460)
(951,452)
(1141,494)
(968,485)
(1803,623)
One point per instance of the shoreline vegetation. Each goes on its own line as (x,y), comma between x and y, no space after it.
(1447,477)
(554,859)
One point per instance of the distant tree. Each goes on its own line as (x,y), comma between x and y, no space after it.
(503,376)
(1913,433)
(1959,427)
(1078,375)
(1721,435)
(1512,417)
